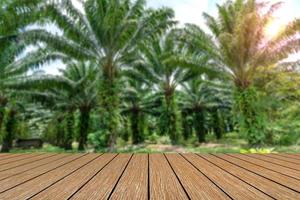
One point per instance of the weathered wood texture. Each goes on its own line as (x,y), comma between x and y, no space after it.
(149,176)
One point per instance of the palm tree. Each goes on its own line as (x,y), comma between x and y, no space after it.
(165,64)
(75,89)
(201,97)
(138,102)
(241,46)
(10,128)
(105,32)
(13,66)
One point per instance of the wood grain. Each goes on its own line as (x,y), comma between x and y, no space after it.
(32,166)
(268,165)
(271,175)
(68,186)
(8,155)
(26,190)
(30,160)
(289,155)
(276,161)
(103,183)
(134,182)
(285,158)
(14,181)
(233,186)
(163,182)
(149,176)
(17,158)
(196,184)
(268,187)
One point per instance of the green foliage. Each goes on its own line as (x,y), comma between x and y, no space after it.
(107,34)
(153,138)
(133,77)
(169,120)
(250,117)
(258,150)
(109,108)
(98,140)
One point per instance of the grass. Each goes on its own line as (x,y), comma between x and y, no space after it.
(231,143)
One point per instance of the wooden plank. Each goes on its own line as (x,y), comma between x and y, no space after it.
(32,166)
(10,155)
(14,181)
(274,167)
(195,183)
(30,188)
(24,162)
(7,155)
(269,187)
(134,182)
(233,186)
(271,175)
(276,161)
(17,158)
(101,186)
(65,188)
(289,155)
(284,158)
(163,181)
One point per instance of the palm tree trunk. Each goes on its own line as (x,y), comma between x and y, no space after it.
(137,127)
(9,131)
(251,120)
(3,103)
(84,127)
(60,132)
(217,124)
(127,129)
(187,129)
(142,127)
(2,112)
(171,116)
(199,124)
(110,104)
(69,131)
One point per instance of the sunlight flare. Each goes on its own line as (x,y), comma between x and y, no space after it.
(274,27)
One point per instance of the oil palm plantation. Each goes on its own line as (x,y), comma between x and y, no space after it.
(139,102)
(199,99)
(241,46)
(105,32)
(14,65)
(165,64)
(75,89)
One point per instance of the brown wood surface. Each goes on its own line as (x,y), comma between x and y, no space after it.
(68,186)
(289,155)
(134,182)
(197,185)
(268,165)
(271,175)
(16,158)
(30,160)
(268,187)
(32,166)
(294,160)
(233,186)
(277,161)
(11,182)
(26,190)
(8,155)
(163,181)
(101,186)
(149,176)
